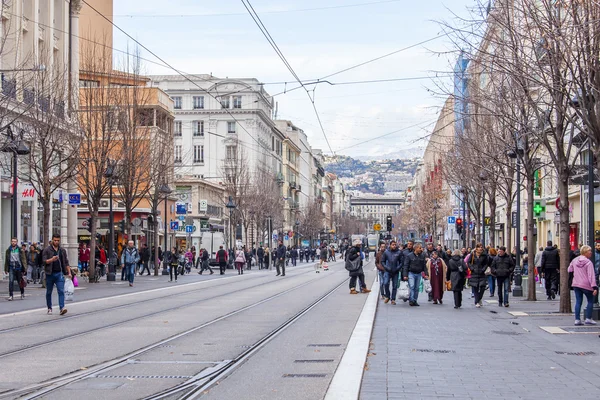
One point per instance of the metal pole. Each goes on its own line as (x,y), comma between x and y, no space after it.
(591,238)
(518,288)
(464,233)
(483,220)
(166,226)
(111,239)
(230,228)
(14,198)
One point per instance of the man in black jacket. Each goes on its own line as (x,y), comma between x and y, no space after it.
(502,268)
(414,267)
(550,267)
(391,260)
(280,259)
(260,253)
(145,259)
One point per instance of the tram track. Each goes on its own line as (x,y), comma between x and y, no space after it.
(192,387)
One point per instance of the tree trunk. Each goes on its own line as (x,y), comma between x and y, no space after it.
(531,296)
(92,264)
(156,260)
(46,222)
(565,247)
(493,206)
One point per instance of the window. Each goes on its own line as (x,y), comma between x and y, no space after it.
(231,152)
(88,83)
(224,102)
(237,101)
(231,127)
(177,154)
(198,128)
(177,128)
(199,154)
(273,143)
(177,101)
(198,102)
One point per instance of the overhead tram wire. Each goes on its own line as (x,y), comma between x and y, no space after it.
(271,41)
(389,133)
(266,150)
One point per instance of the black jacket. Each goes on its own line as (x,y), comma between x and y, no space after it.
(456,273)
(351,255)
(392,261)
(503,266)
(145,254)
(550,259)
(478,265)
(414,263)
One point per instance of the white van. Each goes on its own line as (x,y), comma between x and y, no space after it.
(211,242)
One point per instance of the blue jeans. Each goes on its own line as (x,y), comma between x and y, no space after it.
(503,284)
(130,272)
(492,284)
(14,275)
(58,279)
(382,290)
(387,276)
(414,281)
(579,292)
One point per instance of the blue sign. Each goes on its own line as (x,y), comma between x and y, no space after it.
(452,220)
(189,228)
(286,237)
(181,218)
(275,236)
(174,225)
(74,198)
(472,224)
(181,209)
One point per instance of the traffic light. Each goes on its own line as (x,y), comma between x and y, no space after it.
(88,224)
(150,220)
(122,225)
(388,223)
(459,225)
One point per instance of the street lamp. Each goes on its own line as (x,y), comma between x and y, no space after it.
(109,175)
(483,177)
(516,154)
(463,193)
(230,206)
(17,147)
(166,191)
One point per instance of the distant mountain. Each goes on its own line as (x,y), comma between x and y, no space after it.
(396,154)
(376,176)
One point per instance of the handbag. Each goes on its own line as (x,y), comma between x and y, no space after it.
(353,265)
(488,271)
(22,283)
(448,285)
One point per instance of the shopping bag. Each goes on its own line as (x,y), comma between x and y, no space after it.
(403,291)
(421,286)
(69,290)
(75,281)
(427,285)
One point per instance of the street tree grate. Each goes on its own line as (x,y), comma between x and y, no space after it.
(434,351)
(587,329)
(325,345)
(144,376)
(508,333)
(580,353)
(314,361)
(165,346)
(304,375)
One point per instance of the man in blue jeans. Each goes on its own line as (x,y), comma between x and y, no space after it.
(56,266)
(391,260)
(130,259)
(414,267)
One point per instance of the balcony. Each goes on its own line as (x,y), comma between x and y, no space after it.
(299,188)
(294,205)
(279,178)
(9,87)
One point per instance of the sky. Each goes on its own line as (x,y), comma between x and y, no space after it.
(318,38)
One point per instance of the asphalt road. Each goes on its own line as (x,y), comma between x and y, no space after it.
(118,342)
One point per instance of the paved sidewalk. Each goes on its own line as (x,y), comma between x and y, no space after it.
(437,352)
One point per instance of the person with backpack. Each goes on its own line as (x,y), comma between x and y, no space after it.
(15,264)
(129,259)
(354,264)
(222,260)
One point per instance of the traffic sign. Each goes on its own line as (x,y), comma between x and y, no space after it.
(189,228)
(487,220)
(451,220)
(174,225)
(181,217)
(377,227)
(286,237)
(181,209)
(275,236)
(74,199)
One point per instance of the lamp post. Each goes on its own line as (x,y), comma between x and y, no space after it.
(296,231)
(463,193)
(164,189)
(17,147)
(516,154)
(483,178)
(109,175)
(230,206)
(269,231)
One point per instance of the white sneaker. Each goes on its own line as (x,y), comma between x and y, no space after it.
(578,322)
(477,305)
(590,321)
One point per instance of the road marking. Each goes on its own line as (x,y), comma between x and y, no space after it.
(37,310)
(518,313)
(347,379)
(553,330)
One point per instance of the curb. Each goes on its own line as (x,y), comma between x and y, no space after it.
(347,379)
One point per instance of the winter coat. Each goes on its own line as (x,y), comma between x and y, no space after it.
(477,266)
(84,255)
(503,266)
(145,254)
(260,252)
(323,254)
(48,253)
(442,265)
(583,273)
(414,263)
(22,258)
(392,261)
(221,256)
(351,256)
(130,256)
(456,273)
(550,259)
(280,254)
(240,257)
(378,260)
